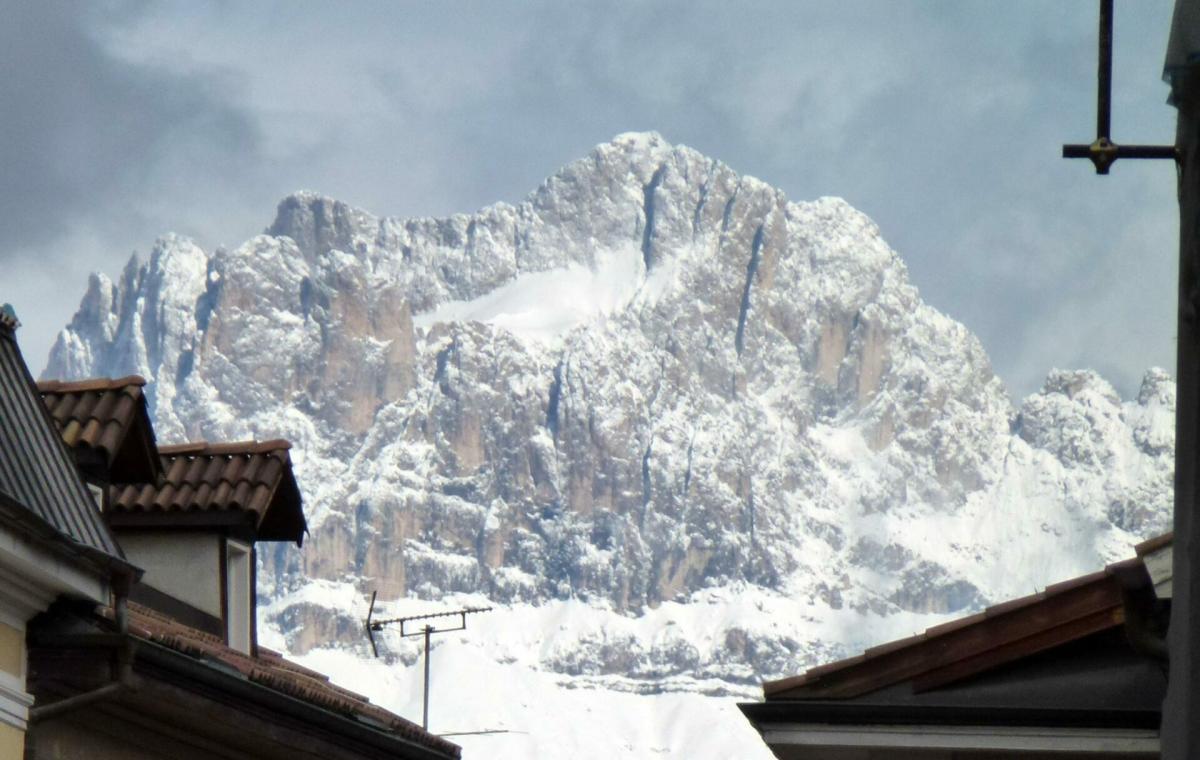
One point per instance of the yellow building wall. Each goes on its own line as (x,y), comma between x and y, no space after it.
(12,651)
(12,742)
(12,661)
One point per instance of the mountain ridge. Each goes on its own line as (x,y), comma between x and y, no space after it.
(649,378)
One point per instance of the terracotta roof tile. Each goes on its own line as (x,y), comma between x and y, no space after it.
(107,417)
(821,670)
(197,448)
(954,625)
(92,384)
(247,476)
(1012,605)
(270,669)
(891,646)
(1058,588)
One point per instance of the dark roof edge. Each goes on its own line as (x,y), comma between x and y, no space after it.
(32,526)
(850,714)
(1129,574)
(314,715)
(102,533)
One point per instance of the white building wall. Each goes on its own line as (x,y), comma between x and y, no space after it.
(186,566)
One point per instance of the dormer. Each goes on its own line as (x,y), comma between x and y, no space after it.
(107,426)
(194,531)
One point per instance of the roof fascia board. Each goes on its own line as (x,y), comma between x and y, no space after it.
(61,549)
(31,578)
(1116,741)
(1159,564)
(1020,649)
(210,518)
(839,713)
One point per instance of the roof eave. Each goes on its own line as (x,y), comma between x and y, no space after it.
(23,519)
(192,668)
(284,518)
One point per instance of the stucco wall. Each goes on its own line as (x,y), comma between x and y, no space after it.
(12,651)
(12,741)
(13,699)
(184,565)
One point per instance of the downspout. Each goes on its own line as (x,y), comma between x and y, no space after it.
(122,669)
(1140,632)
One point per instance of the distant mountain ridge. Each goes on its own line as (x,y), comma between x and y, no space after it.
(650,378)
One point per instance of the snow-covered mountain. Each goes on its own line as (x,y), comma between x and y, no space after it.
(689,433)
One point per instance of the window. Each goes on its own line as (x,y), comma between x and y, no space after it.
(239,606)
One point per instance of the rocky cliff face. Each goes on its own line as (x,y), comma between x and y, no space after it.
(651,377)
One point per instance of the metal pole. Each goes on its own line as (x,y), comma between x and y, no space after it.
(1180,728)
(1104,73)
(425,711)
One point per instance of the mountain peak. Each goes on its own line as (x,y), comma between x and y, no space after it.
(318,223)
(648,139)
(651,375)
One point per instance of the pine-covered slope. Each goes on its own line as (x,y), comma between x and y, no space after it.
(652,381)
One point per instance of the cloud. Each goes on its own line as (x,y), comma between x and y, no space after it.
(100,154)
(85,133)
(942,120)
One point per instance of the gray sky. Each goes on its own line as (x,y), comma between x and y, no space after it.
(941,120)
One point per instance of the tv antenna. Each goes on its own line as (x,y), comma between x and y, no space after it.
(1102,152)
(374,626)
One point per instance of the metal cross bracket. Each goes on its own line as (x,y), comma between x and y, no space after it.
(1103,152)
(373,626)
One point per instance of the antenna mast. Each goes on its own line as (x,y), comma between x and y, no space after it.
(374,626)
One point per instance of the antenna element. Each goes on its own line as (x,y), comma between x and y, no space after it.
(373,626)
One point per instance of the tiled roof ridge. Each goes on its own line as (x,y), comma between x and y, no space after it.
(230,448)
(90,384)
(1151,545)
(816,674)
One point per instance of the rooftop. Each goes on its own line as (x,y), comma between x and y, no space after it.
(37,472)
(249,480)
(1000,634)
(107,423)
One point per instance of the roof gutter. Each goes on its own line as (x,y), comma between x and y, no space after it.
(1140,630)
(832,712)
(125,646)
(805,738)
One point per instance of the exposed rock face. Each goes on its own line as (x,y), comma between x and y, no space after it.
(651,376)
